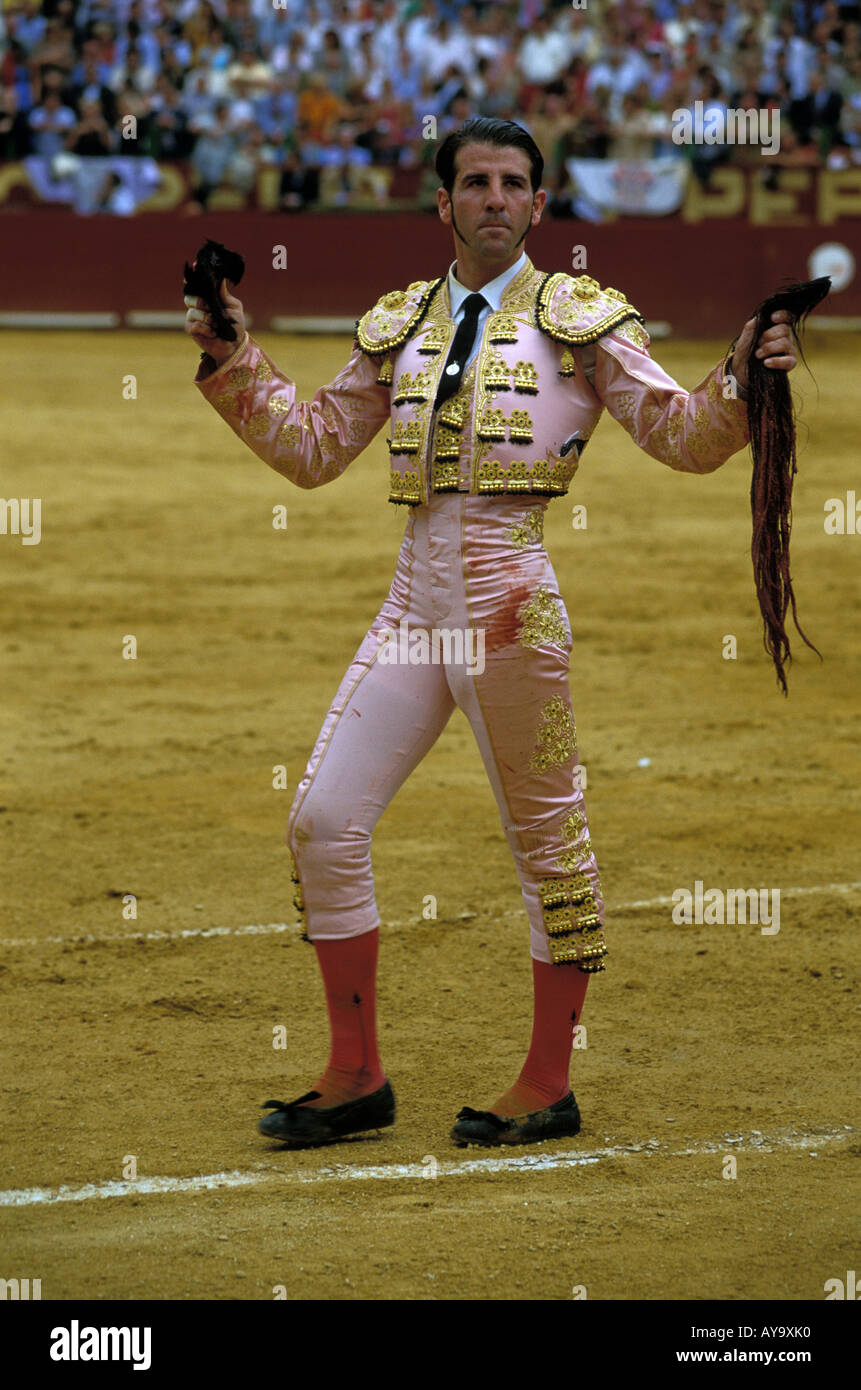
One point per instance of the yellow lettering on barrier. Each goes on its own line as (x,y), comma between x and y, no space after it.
(725,196)
(839,194)
(779,205)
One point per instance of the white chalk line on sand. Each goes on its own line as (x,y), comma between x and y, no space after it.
(390,1172)
(274,928)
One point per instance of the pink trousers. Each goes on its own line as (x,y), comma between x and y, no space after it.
(473,618)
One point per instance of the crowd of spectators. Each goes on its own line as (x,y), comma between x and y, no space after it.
(343,100)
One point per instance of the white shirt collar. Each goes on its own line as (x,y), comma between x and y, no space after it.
(492,291)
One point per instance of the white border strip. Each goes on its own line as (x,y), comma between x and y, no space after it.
(161,318)
(276,928)
(26,319)
(314,323)
(841,323)
(155,318)
(398,1172)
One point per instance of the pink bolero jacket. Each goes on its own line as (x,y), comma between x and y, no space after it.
(559,352)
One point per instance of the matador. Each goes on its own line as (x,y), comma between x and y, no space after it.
(491,380)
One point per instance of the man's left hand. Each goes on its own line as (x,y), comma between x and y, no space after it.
(776,347)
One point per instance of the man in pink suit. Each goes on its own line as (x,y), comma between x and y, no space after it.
(491,380)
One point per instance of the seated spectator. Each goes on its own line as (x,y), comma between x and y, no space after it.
(590,136)
(56,49)
(15,75)
(50,123)
(134,73)
(134,139)
(250,157)
(389,119)
(292,58)
(26,25)
(542,57)
(446,52)
(169,136)
(277,109)
(344,162)
(850,120)
(300,185)
(91,135)
(212,153)
(197,99)
(216,56)
(318,110)
(89,86)
(333,65)
(551,120)
(460,109)
(817,115)
(362,61)
(14,130)
(635,136)
(249,72)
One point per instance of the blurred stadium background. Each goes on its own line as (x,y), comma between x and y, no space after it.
(140,114)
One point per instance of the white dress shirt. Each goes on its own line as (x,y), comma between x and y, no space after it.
(492,291)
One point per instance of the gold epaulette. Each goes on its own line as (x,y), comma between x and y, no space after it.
(577,310)
(395,317)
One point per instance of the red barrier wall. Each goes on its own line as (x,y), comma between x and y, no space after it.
(704,279)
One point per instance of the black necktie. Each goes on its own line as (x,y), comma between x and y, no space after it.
(460,348)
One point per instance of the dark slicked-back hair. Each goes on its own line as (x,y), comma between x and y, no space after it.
(484,130)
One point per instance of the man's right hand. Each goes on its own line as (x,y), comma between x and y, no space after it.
(199,325)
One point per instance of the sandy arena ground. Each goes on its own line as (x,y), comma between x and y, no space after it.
(153,1040)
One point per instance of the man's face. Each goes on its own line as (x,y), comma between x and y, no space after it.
(492,205)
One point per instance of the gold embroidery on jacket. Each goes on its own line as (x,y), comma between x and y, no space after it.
(289,434)
(404,487)
(576,310)
(278,405)
(491,424)
(239,378)
(257,426)
(412,388)
(263,371)
(550,477)
(525,378)
(633,332)
(395,318)
(407,437)
(520,427)
(497,373)
(502,328)
(455,412)
(568,364)
(447,446)
(556,738)
(436,338)
(446,475)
